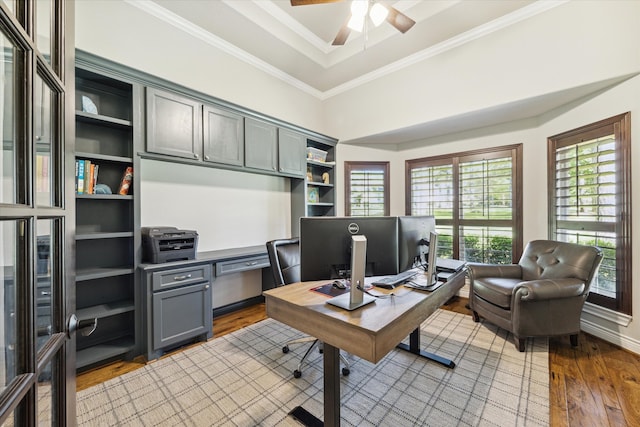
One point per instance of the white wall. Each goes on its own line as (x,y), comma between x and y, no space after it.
(228,209)
(575,44)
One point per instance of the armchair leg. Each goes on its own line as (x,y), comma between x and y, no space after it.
(520,343)
(574,340)
(476,318)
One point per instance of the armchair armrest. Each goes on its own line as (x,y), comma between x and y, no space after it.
(546,289)
(478,270)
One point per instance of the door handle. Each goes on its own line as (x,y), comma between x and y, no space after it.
(85,327)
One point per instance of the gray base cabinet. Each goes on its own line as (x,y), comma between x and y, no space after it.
(179,307)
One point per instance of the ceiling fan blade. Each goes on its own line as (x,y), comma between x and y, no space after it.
(342,36)
(399,20)
(307,2)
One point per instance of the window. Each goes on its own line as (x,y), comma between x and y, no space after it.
(366,188)
(474,198)
(590,201)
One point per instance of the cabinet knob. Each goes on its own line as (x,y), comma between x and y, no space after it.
(195,155)
(206,286)
(206,157)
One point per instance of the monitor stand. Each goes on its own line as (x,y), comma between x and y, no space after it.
(355,298)
(344,301)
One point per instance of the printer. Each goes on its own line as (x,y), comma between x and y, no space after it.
(165,244)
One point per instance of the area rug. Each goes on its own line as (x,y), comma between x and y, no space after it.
(244,379)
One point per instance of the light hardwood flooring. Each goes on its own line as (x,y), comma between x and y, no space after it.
(595,384)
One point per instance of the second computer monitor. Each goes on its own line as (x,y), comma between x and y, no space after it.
(325,246)
(414,234)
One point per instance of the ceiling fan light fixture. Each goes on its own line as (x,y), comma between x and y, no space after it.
(378,14)
(356,23)
(359,8)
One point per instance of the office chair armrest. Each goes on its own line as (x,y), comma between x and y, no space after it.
(478,270)
(546,289)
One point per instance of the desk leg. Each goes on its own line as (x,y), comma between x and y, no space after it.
(331,385)
(331,393)
(414,347)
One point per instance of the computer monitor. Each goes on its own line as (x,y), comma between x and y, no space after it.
(325,246)
(413,240)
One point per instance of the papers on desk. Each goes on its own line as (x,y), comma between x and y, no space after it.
(428,288)
(449,265)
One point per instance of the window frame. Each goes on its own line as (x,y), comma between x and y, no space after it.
(350,166)
(456,223)
(620,125)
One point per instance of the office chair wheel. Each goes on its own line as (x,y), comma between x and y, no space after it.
(297,374)
(285,349)
(345,371)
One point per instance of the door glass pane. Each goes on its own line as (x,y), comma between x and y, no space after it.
(45,396)
(8,272)
(44,136)
(8,154)
(44,288)
(43,28)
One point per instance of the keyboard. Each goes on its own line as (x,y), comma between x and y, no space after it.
(391,282)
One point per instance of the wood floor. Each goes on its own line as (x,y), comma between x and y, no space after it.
(595,384)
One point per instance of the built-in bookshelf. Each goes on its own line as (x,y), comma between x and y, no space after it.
(315,195)
(105,219)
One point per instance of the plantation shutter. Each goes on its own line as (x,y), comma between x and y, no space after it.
(367,188)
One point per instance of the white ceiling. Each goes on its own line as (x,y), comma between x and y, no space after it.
(294,44)
(297,40)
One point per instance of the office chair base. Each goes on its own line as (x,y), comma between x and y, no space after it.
(298,372)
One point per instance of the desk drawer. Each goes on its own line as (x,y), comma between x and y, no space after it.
(240,265)
(176,277)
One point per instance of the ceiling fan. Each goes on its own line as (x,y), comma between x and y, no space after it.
(377,11)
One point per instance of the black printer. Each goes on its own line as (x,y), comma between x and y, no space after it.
(166,244)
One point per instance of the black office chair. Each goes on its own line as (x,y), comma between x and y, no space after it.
(284,255)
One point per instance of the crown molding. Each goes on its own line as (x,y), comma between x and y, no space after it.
(198,32)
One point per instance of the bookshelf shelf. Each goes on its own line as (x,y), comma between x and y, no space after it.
(105,310)
(88,274)
(102,120)
(98,235)
(105,223)
(104,157)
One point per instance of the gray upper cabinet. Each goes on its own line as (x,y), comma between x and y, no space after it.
(223,136)
(291,152)
(261,145)
(173,124)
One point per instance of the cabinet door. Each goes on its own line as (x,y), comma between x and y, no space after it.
(291,152)
(223,136)
(173,125)
(180,314)
(261,145)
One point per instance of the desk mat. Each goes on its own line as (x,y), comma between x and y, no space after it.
(329,290)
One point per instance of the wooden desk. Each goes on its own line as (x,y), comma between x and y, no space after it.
(369,332)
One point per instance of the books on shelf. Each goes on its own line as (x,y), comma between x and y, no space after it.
(86,176)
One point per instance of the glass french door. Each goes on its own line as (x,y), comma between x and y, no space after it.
(37,353)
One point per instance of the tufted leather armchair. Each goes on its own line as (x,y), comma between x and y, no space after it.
(542,295)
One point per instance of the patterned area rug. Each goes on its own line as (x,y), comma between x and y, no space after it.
(244,379)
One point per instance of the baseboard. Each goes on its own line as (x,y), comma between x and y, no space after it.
(596,330)
(230,308)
